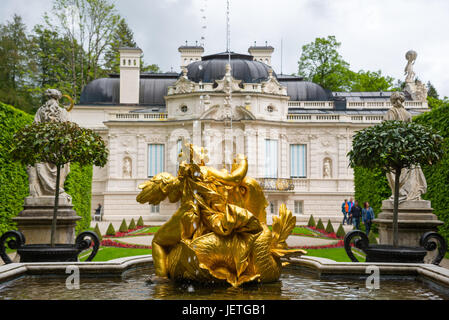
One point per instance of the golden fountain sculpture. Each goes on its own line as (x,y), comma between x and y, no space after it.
(219,233)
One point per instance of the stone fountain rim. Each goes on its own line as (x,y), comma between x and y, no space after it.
(321,266)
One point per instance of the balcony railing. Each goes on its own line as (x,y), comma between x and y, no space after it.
(276,184)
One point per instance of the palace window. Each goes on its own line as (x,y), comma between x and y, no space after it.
(178,150)
(299,207)
(156,159)
(155,208)
(273,207)
(271,158)
(298,164)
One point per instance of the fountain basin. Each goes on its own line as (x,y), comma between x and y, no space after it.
(304,278)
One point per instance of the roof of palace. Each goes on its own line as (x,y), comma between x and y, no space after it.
(154,86)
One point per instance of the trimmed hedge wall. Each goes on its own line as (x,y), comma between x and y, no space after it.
(372,185)
(437,176)
(14,178)
(79,185)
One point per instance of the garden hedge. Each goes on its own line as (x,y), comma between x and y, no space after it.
(372,185)
(311,222)
(14,178)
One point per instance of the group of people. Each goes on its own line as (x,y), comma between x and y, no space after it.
(353,213)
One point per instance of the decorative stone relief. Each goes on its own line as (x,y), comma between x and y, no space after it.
(272,86)
(183,84)
(228,82)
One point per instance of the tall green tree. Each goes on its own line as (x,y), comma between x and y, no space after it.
(52,58)
(89,26)
(321,63)
(123,37)
(16,65)
(432,91)
(366,81)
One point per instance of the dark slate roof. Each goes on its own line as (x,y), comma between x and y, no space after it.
(300,90)
(153,88)
(243,66)
(260,48)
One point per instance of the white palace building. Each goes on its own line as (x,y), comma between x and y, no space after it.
(295,133)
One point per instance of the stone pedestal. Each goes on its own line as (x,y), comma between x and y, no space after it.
(415,218)
(36,219)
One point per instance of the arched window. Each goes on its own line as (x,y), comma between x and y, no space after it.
(129,62)
(135,62)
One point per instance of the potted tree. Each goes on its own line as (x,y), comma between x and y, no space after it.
(392,146)
(57,143)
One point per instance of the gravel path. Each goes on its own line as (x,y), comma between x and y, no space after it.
(293,241)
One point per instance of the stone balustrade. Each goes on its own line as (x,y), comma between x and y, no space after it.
(138,116)
(334,118)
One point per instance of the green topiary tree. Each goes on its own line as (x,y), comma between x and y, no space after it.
(123,227)
(98,232)
(320,225)
(392,146)
(329,227)
(140,222)
(311,222)
(132,224)
(58,143)
(111,230)
(341,231)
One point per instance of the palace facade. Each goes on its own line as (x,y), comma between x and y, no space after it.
(295,133)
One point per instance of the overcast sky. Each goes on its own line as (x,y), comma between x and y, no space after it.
(374,34)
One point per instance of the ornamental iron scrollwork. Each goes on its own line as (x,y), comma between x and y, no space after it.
(430,241)
(18,241)
(82,243)
(361,242)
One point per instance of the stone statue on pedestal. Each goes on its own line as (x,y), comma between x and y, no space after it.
(35,220)
(412,182)
(415,214)
(42,177)
(413,87)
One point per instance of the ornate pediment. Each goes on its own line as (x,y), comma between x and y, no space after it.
(272,85)
(183,84)
(228,83)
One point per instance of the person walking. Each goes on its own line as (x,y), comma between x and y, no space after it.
(356,214)
(351,204)
(367,217)
(345,210)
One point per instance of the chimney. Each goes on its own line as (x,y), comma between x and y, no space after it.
(190,54)
(130,75)
(261,53)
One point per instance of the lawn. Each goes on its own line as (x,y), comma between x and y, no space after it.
(111,253)
(336,254)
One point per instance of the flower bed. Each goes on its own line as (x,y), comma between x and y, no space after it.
(119,234)
(117,244)
(339,244)
(324,233)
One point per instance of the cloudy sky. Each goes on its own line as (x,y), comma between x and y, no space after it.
(374,34)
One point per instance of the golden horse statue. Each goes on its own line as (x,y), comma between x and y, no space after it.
(219,233)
